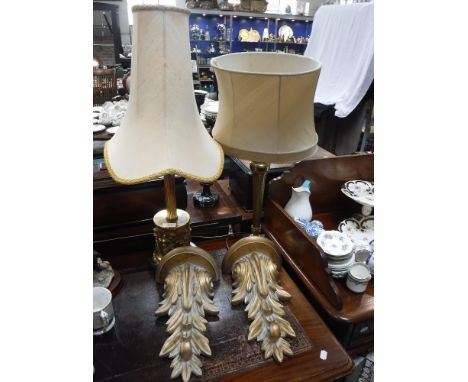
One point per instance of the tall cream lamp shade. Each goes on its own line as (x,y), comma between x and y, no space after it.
(266,106)
(162,132)
(266,115)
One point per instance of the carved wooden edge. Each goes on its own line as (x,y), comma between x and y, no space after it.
(327,289)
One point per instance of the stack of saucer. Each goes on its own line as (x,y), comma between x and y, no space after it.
(339,250)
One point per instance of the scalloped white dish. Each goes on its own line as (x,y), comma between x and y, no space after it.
(361,191)
(335,244)
(361,232)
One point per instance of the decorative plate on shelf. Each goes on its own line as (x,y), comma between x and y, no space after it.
(254,36)
(361,232)
(285,32)
(335,244)
(360,191)
(243,35)
(98,128)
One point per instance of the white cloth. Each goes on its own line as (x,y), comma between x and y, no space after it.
(343,41)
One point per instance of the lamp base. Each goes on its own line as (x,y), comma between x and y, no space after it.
(254,264)
(205,198)
(170,235)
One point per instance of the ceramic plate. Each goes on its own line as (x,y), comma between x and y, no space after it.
(342,268)
(113,130)
(98,128)
(286,32)
(361,232)
(360,191)
(243,35)
(335,244)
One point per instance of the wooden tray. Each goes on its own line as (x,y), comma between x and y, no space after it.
(349,315)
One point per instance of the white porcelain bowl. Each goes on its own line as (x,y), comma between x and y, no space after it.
(358,278)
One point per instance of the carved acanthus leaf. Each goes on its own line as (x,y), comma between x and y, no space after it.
(256,284)
(188,292)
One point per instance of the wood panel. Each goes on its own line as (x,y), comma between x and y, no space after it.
(327,176)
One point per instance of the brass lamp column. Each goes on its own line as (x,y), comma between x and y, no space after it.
(171,226)
(266,116)
(259,171)
(162,135)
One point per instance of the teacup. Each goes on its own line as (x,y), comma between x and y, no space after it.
(103,312)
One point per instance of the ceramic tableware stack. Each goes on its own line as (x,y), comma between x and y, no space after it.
(339,250)
(361,232)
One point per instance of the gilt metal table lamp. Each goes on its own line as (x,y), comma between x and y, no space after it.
(266,115)
(162,135)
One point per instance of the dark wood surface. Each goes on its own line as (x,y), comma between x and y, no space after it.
(347,313)
(102,136)
(327,176)
(117,241)
(123,210)
(130,351)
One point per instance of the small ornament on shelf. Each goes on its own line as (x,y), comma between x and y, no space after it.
(195,32)
(205,198)
(191,4)
(298,205)
(207,33)
(221,36)
(207,4)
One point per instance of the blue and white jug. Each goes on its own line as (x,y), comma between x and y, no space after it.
(298,205)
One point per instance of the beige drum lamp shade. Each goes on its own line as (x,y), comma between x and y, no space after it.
(266,106)
(162,132)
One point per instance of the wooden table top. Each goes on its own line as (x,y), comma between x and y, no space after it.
(130,351)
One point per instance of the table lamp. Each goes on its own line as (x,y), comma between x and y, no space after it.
(266,115)
(162,135)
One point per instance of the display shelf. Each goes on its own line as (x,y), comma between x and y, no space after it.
(211,41)
(208,20)
(218,12)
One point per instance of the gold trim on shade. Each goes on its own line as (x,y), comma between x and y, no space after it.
(169,171)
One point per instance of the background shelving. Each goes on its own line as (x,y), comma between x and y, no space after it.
(234,22)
